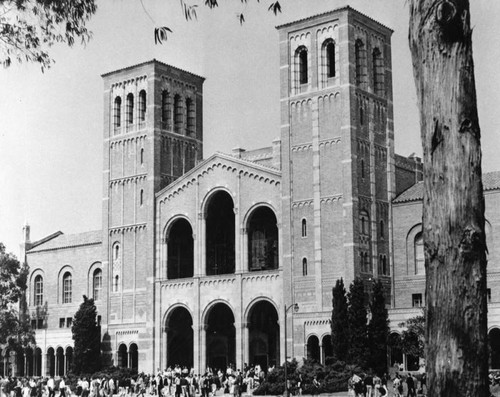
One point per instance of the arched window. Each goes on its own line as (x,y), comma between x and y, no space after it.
(38,291)
(142,156)
(166,110)
(378,72)
(304,266)
(177,114)
(117,112)
(364,221)
(304,228)
(142,105)
(190,115)
(116,252)
(419,254)
(367,265)
(360,61)
(262,240)
(67,289)
(361,116)
(301,55)
(141,197)
(382,229)
(330,58)
(362,168)
(116,283)
(130,108)
(97,285)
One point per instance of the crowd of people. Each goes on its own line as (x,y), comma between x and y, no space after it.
(367,385)
(173,381)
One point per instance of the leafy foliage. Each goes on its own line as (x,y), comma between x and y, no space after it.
(332,378)
(413,338)
(87,335)
(15,329)
(28,28)
(358,330)
(340,335)
(378,330)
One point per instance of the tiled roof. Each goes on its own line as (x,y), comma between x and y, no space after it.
(69,241)
(491,181)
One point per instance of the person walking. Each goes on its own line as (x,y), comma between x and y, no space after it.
(410,383)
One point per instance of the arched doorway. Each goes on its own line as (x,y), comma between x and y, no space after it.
(60,361)
(38,362)
(51,362)
(180,262)
(494,345)
(220,337)
(69,359)
(326,343)
(263,335)
(29,361)
(122,356)
(220,254)
(262,240)
(134,356)
(313,352)
(396,354)
(180,338)
(20,363)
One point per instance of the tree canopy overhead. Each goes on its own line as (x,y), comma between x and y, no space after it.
(29,27)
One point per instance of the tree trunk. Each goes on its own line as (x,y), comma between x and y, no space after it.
(453,214)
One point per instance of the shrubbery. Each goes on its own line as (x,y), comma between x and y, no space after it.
(332,378)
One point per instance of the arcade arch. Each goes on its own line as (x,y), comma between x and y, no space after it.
(220,234)
(263,334)
(220,336)
(179,327)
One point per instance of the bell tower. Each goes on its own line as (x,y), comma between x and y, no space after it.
(152,135)
(338,168)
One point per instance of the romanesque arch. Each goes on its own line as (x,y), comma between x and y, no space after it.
(220,337)
(180,250)
(262,229)
(396,354)
(494,344)
(179,326)
(313,350)
(327,348)
(220,234)
(263,334)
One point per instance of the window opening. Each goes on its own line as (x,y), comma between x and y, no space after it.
(304,228)
(130,108)
(419,254)
(97,284)
(330,59)
(117,112)
(166,110)
(177,114)
(304,266)
(142,105)
(38,291)
(416,300)
(67,288)
(303,67)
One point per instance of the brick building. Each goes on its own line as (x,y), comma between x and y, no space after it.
(200,261)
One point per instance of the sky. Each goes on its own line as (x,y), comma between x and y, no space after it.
(51,124)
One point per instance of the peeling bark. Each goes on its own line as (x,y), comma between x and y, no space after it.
(453,216)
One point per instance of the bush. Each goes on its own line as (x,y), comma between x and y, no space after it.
(332,378)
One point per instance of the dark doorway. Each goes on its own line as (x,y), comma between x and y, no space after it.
(180,250)
(263,335)
(262,240)
(313,352)
(180,338)
(221,337)
(220,234)
(494,344)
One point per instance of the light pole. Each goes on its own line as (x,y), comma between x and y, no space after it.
(296,309)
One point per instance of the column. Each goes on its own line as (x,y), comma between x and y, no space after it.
(321,353)
(246,343)
(202,244)
(64,364)
(163,350)
(238,266)
(244,249)
(203,344)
